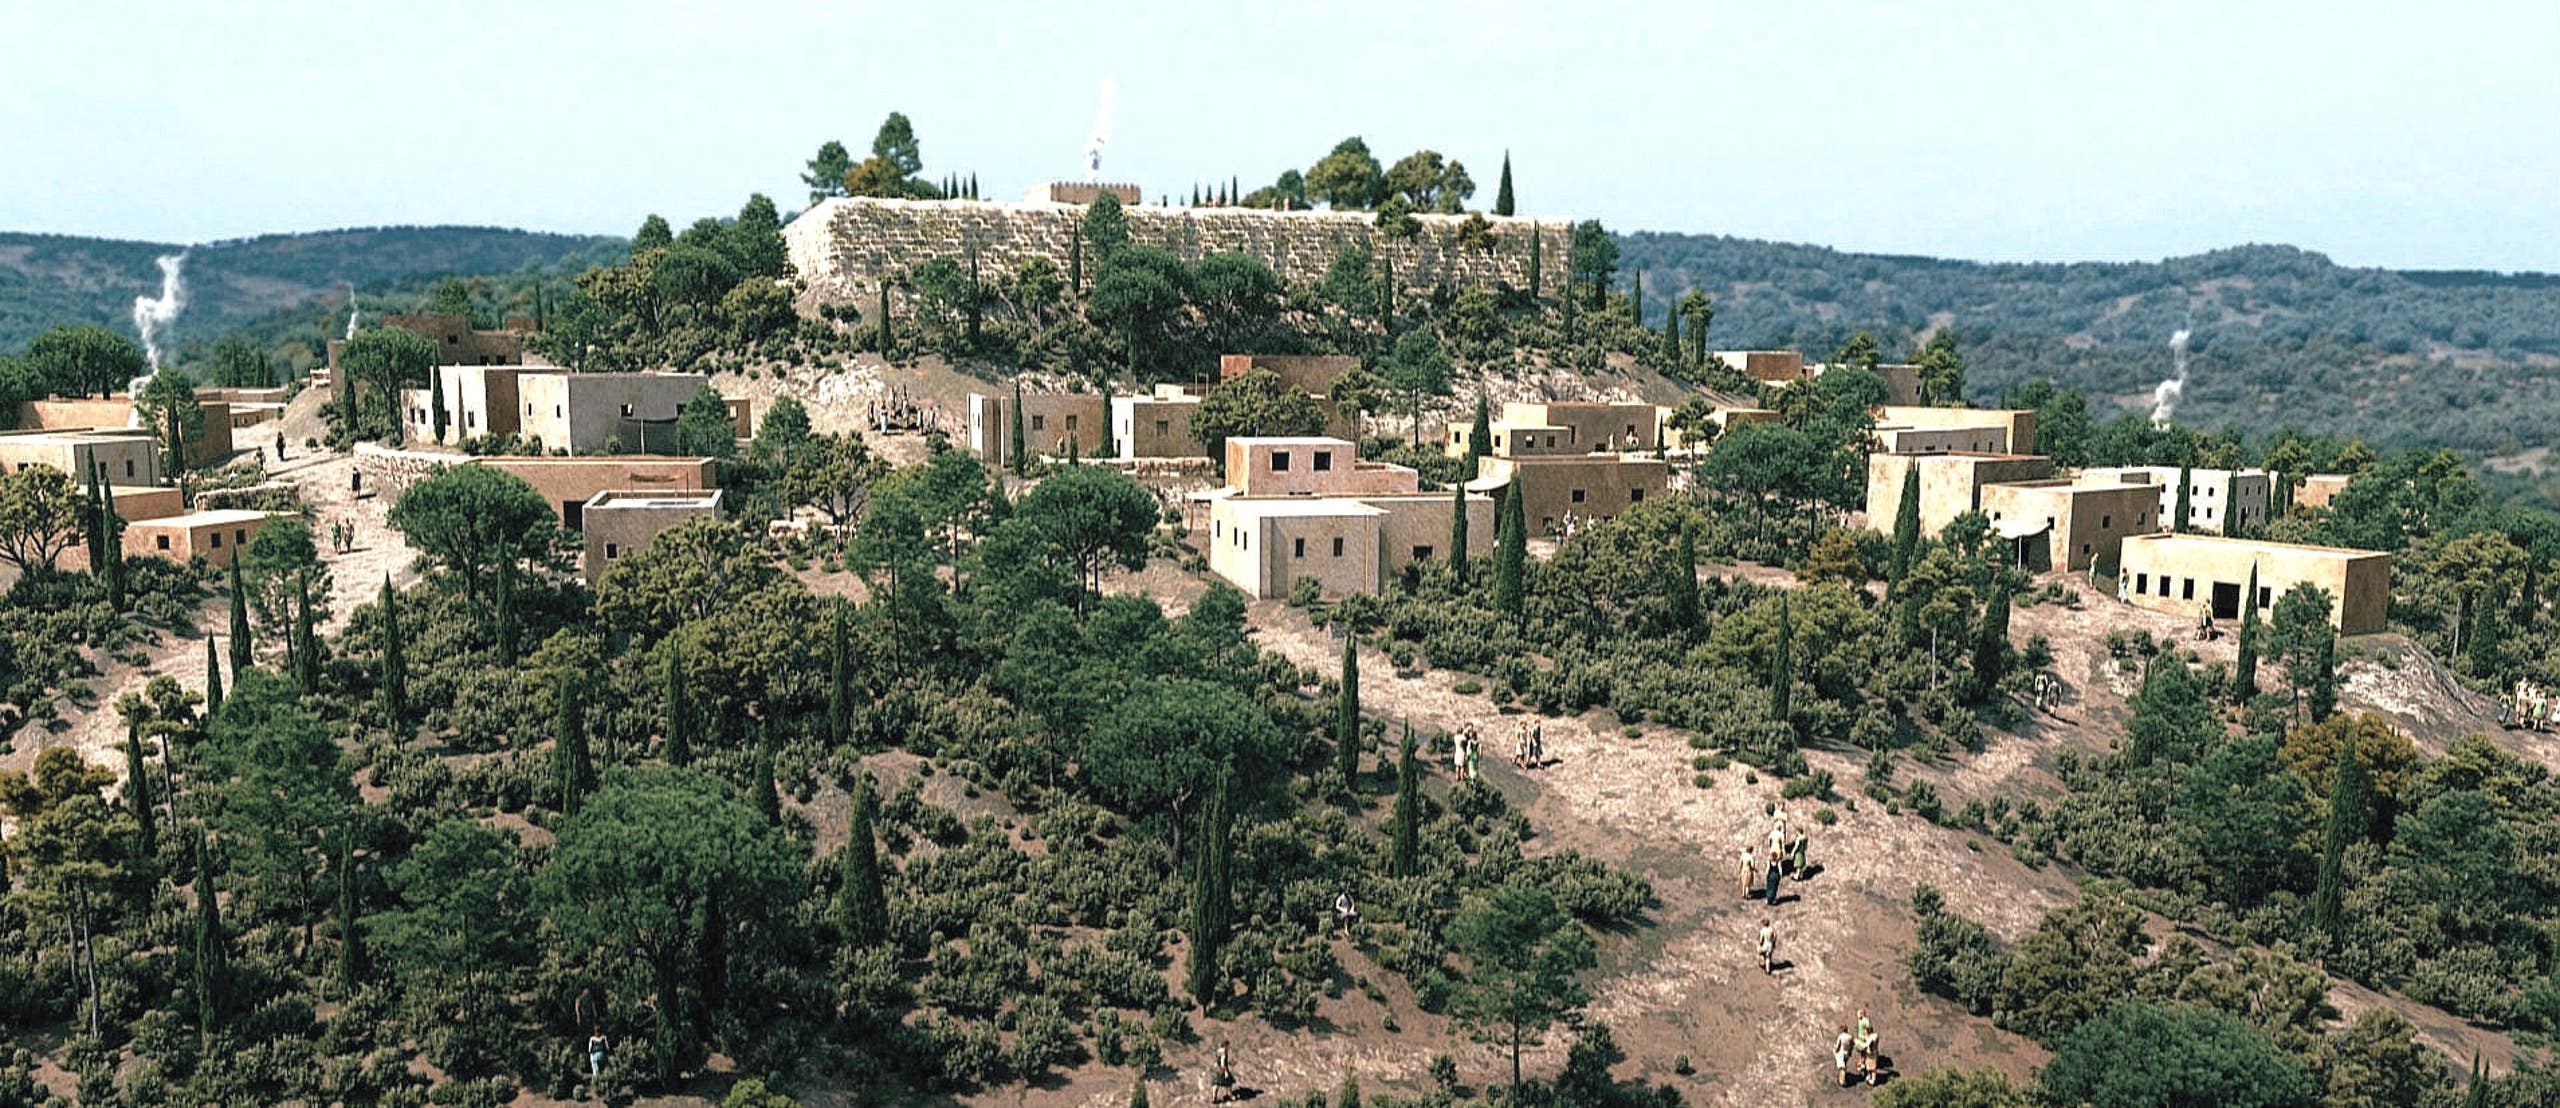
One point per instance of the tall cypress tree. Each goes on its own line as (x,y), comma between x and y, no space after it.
(1502,199)
(350,936)
(862,912)
(1569,300)
(212,678)
(306,647)
(679,721)
(243,647)
(1209,901)
(839,680)
(345,380)
(1782,668)
(507,610)
(1404,843)
(1671,338)
(95,526)
(571,763)
(1479,437)
(1075,260)
(1346,713)
(1510,556)
(1906,529)
(1684,582)
(395,669)
(2244,671)
(1536,248)
(2186,476)
(1635,297)
(435,401)
(1458,533)
(1991,644)
(1387,293)
(888,338)
(111,524)
(768,791)
(1021,444)
(137,791)
(211,972)
(2324,686)
(2346,825)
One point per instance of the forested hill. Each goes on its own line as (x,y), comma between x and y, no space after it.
(2280,336)
(50,279)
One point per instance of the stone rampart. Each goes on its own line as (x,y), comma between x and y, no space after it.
(843,247)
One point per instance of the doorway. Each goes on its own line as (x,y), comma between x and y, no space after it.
(2226,601)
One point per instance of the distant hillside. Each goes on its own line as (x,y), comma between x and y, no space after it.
(2280,336)
(50,279)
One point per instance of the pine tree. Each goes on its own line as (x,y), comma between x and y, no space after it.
(2244,671)
(435,403)
(1502,199)
(839,680)
(212,678)
(1684,583)
(1458,533)
(1782,668)
(863,915)
(1479,438)
(1021,444)
(211,972)
(2346,826)
(395,669)
(1536,248)
(2186,476)
(306,649)
(679,721)
(350,935)
(1991,645)
(1346,714)
(137,791)
(243,647)
(1404,845)
(507,610)
(1906,529)
(571,764)
(1510,556)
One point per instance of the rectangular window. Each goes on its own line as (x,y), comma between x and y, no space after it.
(1497,444)
(1337,546)
(558,411)
(1164,427)
(2266,596)
(1279,461)
(1421,553)
(1635,496)
(2189,591)
(240,536)
(162,541)
(1324,461)
(1039,423)
(2142,584)
(1297,548)
(1577,496)
(128,467)
(612,551)
(1217,528)
(2106,521)
(2084,550)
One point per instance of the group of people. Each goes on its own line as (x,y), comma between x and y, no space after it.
(2533,707)
(1858,1047)
(1466,749)
(342,537)
(1789,855)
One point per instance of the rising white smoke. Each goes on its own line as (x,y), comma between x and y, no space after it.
(352,313)
(2166,394)
(152,315)
(1101,136)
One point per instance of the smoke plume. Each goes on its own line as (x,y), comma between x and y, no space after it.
(1101,136)
(153,315)
(2166,394)
(352,313)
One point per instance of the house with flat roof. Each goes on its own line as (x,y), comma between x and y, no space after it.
(480,401)
(568,483)
(216,536)
(2320,488)
(1769,367)
(121,456)
(2219,501)
(610,413)
(1050,420)
(618,523)
(2190,575)
(1308,507)
(1986,439)
(1158,423)
(1950,484)
(2060,524)
(2018,423)
(457,341)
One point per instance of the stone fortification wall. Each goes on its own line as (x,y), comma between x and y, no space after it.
(844,247)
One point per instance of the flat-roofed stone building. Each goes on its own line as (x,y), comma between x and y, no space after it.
(216,536)
(126,457)
(2219,501)
(1049,421)
(1308,507)
(1158,424)
(2189,575)
(2019,422)
(621,522)
(1950,484)
(2061,524)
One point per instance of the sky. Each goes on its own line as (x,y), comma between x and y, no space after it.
(2389,134)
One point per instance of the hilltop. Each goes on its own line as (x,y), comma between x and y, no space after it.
(50,279)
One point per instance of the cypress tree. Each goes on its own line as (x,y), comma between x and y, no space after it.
(350,937)
(2244,671)
(768,793)
(1479,437)
(1782,669)
(1671,338)
(1075,260)
(1021,444)
(679,722)
(2186,474)
(1635,297)
(1510,556)
(1209,905)
(507,610)
(395,669)
(1386,292)
(2324,687)
(1684,583)
(1991,646)
(306,648)
(888,338)
(243,647)
(571,762)
(435,402)
(1405,843)
(977,297)
(1569,300)
(2346,825)
(137,792)
(211,971)
(112,525)
(212,678)
(1346,714)
(1536,248)
(839,680)
(863,914)
(1458,533)
(1906,529)
(1502,199)
(96,525)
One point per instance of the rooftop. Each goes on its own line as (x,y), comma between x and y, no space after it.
(1302,506)
(2166,537)
(1289,440)
(78,434)
(653,498)
(204,519)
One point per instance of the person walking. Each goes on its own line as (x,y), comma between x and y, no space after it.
(1840,1056)
(1866,1044)
(1743,869)
(1777,862)
(1800,855)
(1458,754)
(1345,912)
(595,1058)
(1537,743)
(1768,945)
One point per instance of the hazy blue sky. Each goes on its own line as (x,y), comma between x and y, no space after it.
(2402,134)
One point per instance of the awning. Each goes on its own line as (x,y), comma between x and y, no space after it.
(2018,528)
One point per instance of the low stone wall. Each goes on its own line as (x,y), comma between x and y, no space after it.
(389,471)
(273,496)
